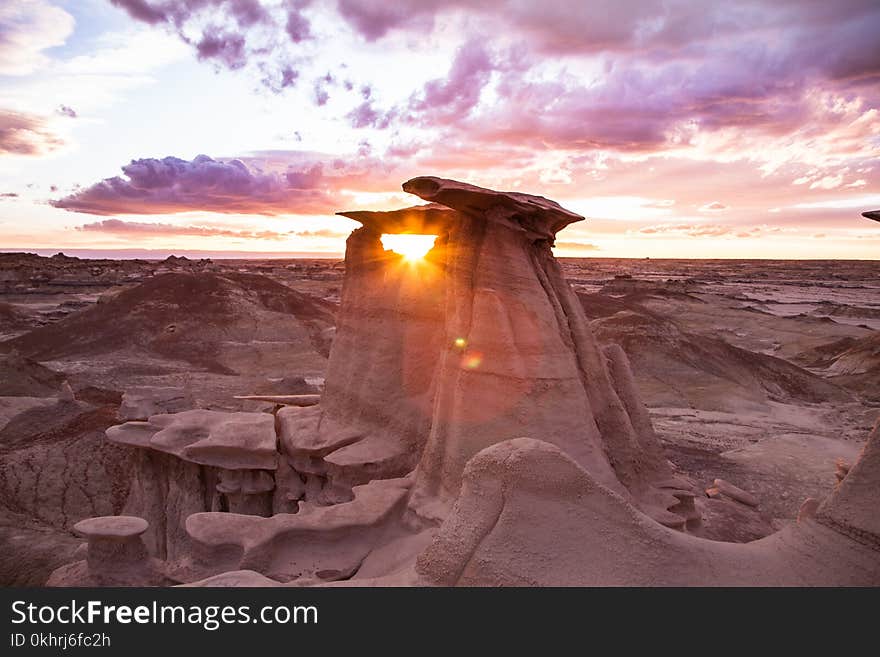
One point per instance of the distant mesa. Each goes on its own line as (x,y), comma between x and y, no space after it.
(872,214)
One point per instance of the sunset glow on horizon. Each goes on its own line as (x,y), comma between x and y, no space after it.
(678,129)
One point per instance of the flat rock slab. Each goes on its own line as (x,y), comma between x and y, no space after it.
(143,402)
(234,441)
(429,219)
(543,216)
(326,539)
(234,578)
(734,492)
(286,400)
(117,528)
(298,430)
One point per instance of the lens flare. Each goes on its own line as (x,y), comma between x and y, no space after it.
(472,360)
(411,247)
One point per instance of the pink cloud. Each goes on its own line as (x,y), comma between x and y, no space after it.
(374,20)
(25,134)
(120,227)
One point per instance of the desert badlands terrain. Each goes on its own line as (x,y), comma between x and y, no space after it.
(484,415)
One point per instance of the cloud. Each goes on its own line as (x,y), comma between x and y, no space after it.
(449,99)
(656,81)
(374,20)
(714,206)
(64,110)
(576,246)
(690,230)
(323,233)
(827,182)
(170,185)
(27,28)
(25,134)
(710,230)
(319,88)
(150,229)
(366,115)
(227,48)
(120,227)
(637,76)
(233,34)
(9,195)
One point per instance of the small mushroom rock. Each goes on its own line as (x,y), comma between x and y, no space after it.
(115,556)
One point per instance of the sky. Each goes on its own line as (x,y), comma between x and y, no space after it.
(700,129)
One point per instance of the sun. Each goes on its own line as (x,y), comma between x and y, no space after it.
(411,247)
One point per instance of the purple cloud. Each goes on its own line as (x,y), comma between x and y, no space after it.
(297,26)
(319,88)
(170,185)
(453,97)
(366,115)
(233,33)
(374,20)
(225,47)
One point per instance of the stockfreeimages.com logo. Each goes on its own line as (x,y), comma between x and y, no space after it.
(210,617)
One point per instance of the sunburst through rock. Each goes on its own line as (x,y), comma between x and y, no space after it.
(411,247)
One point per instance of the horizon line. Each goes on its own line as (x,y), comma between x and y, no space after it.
(163,254)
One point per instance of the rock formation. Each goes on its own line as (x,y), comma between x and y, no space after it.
(197,461)
(115,556)
(471,431)
(872,214)
(528,515)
